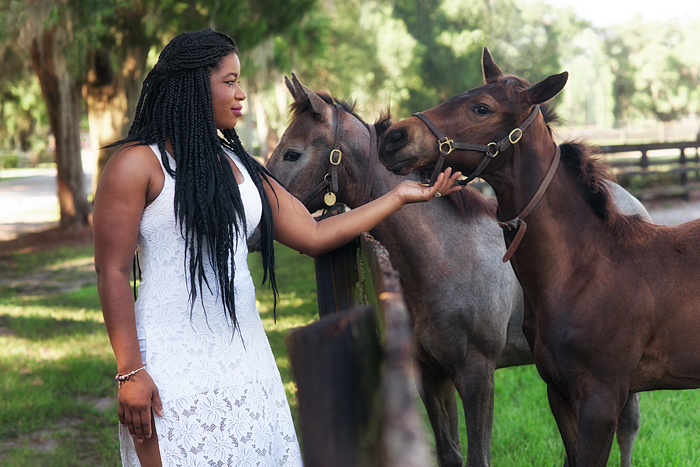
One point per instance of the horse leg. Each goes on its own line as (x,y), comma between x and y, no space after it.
(475,384)
(627,429)
(597,422)
(438,395)
(566,422)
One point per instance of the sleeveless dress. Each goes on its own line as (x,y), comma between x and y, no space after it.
(223,399)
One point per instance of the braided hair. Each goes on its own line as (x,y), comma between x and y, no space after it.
(176,104)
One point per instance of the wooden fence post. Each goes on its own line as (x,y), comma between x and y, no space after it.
(358,405)
(336,364)
(336,279)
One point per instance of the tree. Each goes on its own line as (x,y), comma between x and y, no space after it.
(22,114)
(451,34)
(115,70)
(657,69)
(48,34)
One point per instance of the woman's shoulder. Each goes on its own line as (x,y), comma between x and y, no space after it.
(134,150)
(134,157)
(133,166)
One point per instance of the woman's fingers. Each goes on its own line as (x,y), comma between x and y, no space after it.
(157,404)
(146,423)
(137,398)
(138,427)
(121,413)
(445,183)
(129,422)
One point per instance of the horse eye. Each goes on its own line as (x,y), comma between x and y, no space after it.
(480,109)
(291,155)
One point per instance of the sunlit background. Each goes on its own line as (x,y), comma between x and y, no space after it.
(632,64)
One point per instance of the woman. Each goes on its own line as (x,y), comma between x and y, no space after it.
(198,383)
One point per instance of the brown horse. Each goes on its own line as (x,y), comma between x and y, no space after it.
(466,305)
(612,304)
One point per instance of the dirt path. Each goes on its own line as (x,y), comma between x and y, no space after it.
(674,211)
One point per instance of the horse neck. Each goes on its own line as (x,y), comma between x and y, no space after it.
(354,176)
(559,225)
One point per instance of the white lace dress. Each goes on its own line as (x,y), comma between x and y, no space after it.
(223,399)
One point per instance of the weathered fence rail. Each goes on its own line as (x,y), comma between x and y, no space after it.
(678,162)
(354,367)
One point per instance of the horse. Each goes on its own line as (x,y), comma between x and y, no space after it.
(611,301)
(465,304)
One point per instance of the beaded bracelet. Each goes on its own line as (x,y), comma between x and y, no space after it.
(121,378)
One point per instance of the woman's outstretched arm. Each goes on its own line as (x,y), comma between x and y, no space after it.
(296,228)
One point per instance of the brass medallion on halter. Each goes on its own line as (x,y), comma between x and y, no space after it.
(329,198)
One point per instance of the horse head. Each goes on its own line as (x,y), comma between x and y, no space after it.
(317,155)
(480,125)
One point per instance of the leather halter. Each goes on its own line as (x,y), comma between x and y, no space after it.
(490,150)
(518,223)
(335,158)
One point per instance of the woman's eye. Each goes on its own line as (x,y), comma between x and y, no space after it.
(480,109)
(291,155)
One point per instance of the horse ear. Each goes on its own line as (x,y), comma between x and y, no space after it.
(290,87)
(318,106)
(488,66)
(546,89)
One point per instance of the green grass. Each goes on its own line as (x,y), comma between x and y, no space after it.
(56,363)
(525,433)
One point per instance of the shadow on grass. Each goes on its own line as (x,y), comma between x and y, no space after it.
(69,442)
(35,397)
(36,328)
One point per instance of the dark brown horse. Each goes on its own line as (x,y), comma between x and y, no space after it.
(612,302)
(466,305)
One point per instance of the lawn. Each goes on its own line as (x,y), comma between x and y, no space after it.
(57,393)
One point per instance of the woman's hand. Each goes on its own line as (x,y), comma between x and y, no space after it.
(413,192)
(136,397)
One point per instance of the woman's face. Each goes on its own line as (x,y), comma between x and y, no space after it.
(226,93)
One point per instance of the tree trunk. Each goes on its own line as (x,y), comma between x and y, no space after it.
(62,94)
(111,96)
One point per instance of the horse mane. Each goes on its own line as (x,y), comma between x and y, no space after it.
(590,172)
(383,122)
(299,106)
(470,202)
(583,162)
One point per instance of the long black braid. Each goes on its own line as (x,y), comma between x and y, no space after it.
(176,104)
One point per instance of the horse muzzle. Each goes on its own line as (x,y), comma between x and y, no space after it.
(390,145)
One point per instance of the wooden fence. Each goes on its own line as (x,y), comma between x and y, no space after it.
(656,169)
(354,368)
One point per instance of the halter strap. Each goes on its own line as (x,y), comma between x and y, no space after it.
(518,223)
(373,156)
(336,157)
(490,150)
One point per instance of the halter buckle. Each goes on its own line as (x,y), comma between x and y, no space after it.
(491,153)
(513,224)
(448,142)
(340,156)
(519,133)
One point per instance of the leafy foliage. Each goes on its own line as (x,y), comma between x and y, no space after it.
(658,69)
(407,54)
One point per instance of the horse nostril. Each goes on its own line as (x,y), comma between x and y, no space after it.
(396,139)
